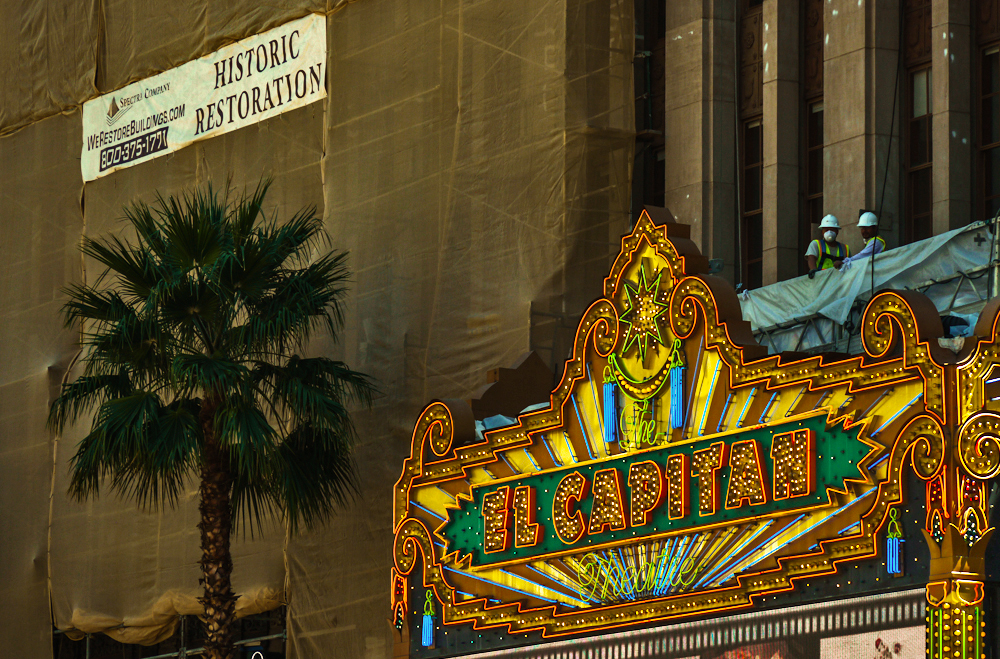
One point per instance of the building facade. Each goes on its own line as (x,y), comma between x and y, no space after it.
(830,106)
(481,162)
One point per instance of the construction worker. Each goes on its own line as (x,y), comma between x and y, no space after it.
(874,244)
(823,254)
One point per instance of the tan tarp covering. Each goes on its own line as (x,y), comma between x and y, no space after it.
(48,51)
(474,157)
(40,193)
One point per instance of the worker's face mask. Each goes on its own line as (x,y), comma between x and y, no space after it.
(830,236)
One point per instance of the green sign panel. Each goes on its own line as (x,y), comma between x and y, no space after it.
(758,472)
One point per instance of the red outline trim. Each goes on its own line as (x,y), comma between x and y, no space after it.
(571,498)
(644,513)
(529,514)
(602,501)
(502,526)
(711,475)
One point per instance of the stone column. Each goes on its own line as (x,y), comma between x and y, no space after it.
(860,60)
(845,96)
(885,150)
(700,128)
(951,138)
(782,108)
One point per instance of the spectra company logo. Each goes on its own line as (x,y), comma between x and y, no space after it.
(116,111)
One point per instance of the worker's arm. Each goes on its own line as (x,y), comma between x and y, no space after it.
(812,257)
(873,246)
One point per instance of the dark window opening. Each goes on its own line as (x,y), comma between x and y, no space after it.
(814,162)
(919,156)
(989,133)
(649,77)
(812,138)
(750,160)
(752,202)
(917,113)
(660,178)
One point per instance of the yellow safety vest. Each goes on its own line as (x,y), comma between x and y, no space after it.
(878,238)
(829,253)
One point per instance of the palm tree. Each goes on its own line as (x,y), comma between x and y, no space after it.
(189,341)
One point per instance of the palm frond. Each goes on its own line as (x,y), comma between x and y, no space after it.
(314,473)
(193,227)
(135,271)
(189,337)
(86,303)
(245,213)
(84,393)
(145,449)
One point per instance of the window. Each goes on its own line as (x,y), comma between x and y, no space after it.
(989,133)
(814,162)
(916,121)
(750,161)
(812,138)
(660,178)
(919,155)
(753,215)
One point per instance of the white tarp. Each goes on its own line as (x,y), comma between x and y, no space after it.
(832,292)
(236,86)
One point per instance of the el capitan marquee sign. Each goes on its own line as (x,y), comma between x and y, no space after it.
(679,470)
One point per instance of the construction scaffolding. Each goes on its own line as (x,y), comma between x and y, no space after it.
(957,271)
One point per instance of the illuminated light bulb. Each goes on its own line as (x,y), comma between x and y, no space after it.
(526,531)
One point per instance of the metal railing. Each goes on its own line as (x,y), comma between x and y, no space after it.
(183,652)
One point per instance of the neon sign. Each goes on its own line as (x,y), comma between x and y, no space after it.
(697,473)
(894,547)
(427,626)
(750,474)
(609,576)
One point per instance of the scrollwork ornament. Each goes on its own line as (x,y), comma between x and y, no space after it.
(434,437)
(604,319)
(905,319)
(885,322)
(412,537)
(979,445)
(438,428)
(688,295)
(926,437)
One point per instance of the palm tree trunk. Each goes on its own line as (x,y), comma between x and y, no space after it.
(216,559)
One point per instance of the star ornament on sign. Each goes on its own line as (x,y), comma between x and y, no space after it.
(642,309)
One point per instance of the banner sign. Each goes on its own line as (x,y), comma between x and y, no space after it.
(239,85)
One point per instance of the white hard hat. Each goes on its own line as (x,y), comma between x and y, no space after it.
(868,219)
(830,222)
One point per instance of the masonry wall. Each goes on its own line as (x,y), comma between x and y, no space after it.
(474,157)
(864,103)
